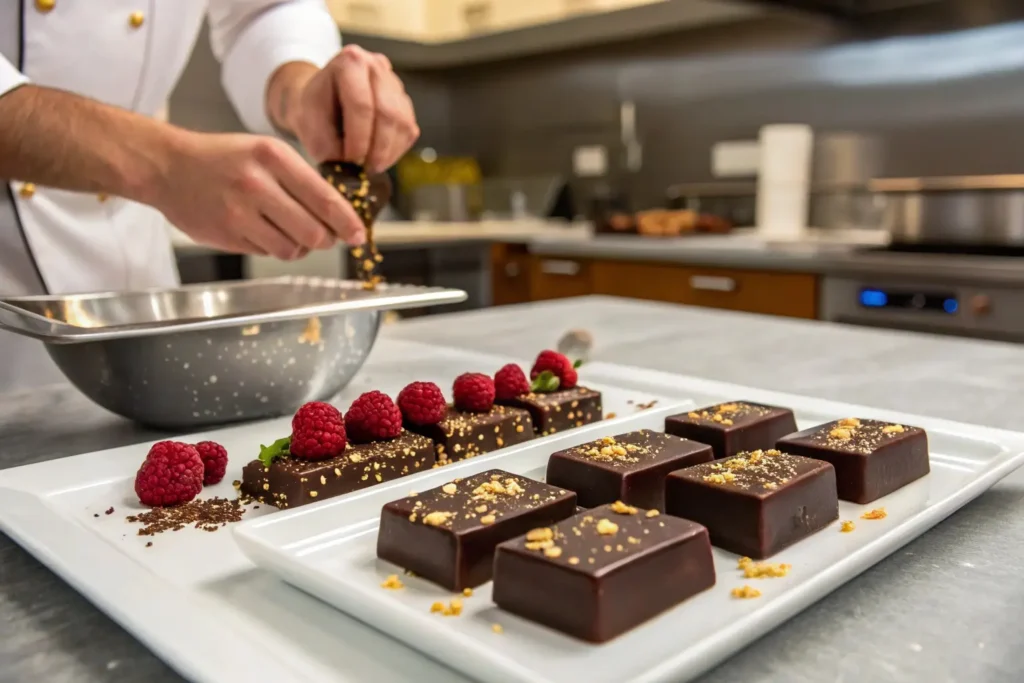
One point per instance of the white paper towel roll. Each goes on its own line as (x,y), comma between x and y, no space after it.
(784,180)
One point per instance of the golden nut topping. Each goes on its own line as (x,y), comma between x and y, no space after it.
(893,429)
(27,190)
(877,513)
(436,518)
(543,534)
(392,582)
(652,513)
(468,592)
(846,527)
(606,527)
(449,488)
(45,6)
(621,508)
(745,592)
(849,422)
(841,434)
(136,19)
(574,560)
(554,551)
(487,519)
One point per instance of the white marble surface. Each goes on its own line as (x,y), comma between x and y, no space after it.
(943,609)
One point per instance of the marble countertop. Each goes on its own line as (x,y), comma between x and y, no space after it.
(944,608)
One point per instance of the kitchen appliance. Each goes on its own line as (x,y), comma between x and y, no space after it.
(964,210)
(955,289)
(214,353)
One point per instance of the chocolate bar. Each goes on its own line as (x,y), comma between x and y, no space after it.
(731,428)
(629,467)
(448,534)
(462,435)
(872,458)
(560,410)
(290,482)
(603,572)
(757,503)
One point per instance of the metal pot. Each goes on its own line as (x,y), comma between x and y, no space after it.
(964,209)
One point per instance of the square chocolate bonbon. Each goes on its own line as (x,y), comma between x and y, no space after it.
(290,482)
(757,503)
(561,410)
(448,534)
(462,435)
(629,467)
(734,427)
(872,458)
(603,572)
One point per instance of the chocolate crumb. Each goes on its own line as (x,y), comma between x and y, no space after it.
(96,514)
(207,514)
(149,544)
(109,510)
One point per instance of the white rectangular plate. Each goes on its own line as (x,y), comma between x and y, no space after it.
(193,597)
(329,551)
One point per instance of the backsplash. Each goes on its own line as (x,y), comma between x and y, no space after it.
(942,103)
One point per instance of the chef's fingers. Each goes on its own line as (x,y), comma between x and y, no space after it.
(355,94)
(394,128)
(271,238)
(318,119)
(295,220)
(321,201)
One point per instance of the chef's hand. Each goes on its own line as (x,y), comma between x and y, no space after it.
(379,120)
(253,194)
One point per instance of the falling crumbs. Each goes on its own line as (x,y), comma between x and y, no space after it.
(207,514)
(846,527)
(497,628)
(452,609)
(877,513)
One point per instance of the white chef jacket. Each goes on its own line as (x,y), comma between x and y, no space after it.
(128,53)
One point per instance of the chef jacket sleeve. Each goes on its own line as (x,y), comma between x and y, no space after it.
(252,38)
(10,77)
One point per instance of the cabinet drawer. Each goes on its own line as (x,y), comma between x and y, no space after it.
(785,294)
(510,274)
(398,18)
(559,278)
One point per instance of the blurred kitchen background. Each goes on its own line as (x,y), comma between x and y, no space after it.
(852,160)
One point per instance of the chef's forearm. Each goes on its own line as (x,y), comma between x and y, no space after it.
(284,92)
(57,139)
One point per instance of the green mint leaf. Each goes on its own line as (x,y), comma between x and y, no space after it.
(577,364)
(546,382)
(278,449)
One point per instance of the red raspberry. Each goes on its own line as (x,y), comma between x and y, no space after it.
(422,403)
(318,432)
(172,474)
(215,461)
(373,417)
(558,365)
(474,392)
(510,382)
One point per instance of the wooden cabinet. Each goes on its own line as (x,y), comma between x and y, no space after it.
(519,277)
(755,291)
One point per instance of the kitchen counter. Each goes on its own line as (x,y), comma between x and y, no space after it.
(430,233)
(945,608)
(818,258)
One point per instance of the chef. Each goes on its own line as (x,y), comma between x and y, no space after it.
(93,180)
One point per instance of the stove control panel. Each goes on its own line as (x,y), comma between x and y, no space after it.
(987,312)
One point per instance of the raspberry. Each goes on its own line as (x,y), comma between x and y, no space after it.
(172,474)
(373,417)
(474,392)
(510,382)
(318,432)
(422,403)
(215,461)
(558,365)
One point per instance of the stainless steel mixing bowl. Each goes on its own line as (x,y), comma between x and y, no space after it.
(213,353)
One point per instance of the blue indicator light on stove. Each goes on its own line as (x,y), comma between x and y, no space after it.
(873,298)
(950,306)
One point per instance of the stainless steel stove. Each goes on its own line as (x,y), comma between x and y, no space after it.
(969,290)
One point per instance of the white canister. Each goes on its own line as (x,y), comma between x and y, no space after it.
(784,180)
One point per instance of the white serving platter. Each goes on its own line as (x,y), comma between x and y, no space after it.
(193,597)
(329,552)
